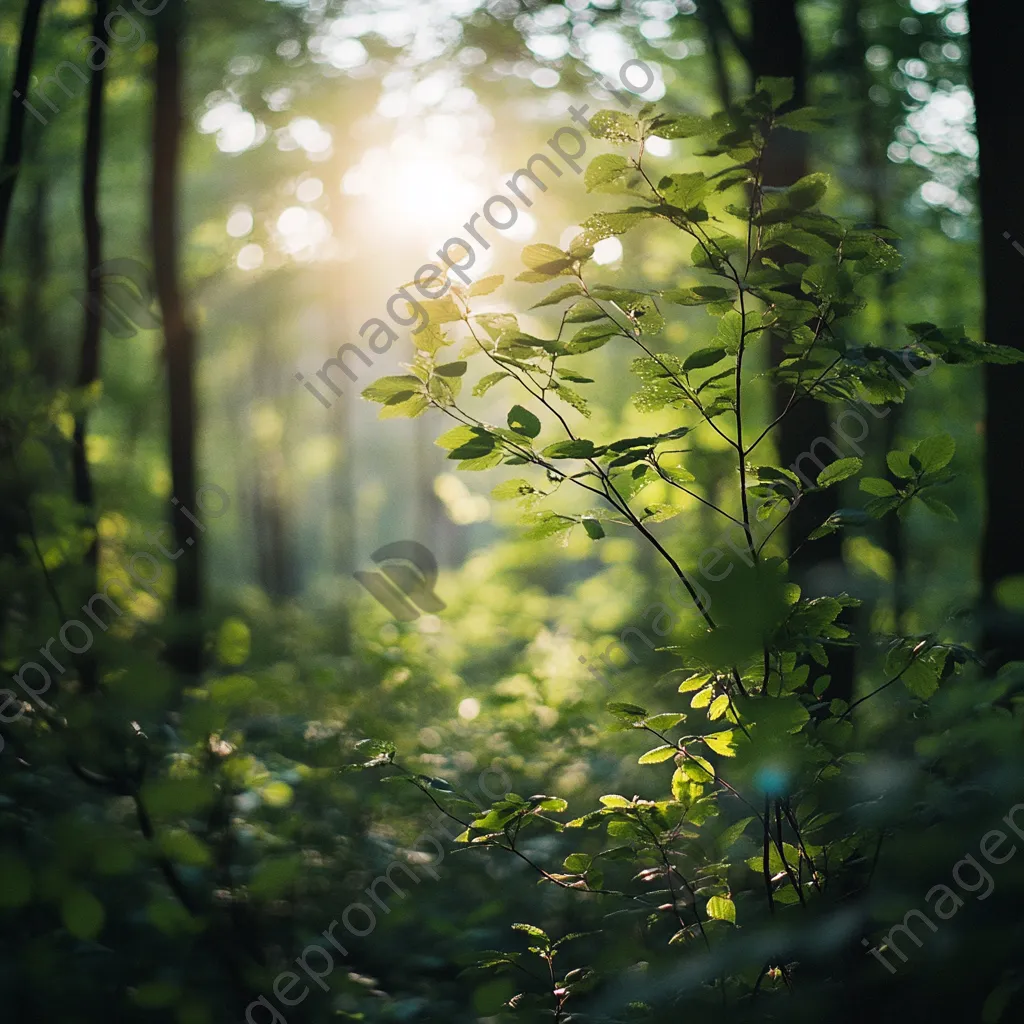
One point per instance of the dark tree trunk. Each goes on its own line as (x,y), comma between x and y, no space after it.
(14,141)
(874,132)
(46,358)
(717,25)
(89,361)
(275,558)
(185,652)
(776,50)
(999,99)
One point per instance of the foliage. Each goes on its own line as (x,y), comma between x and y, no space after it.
(741,830)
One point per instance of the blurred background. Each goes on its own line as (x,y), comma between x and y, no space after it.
(274,170)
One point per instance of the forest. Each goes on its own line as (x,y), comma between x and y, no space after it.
(509,511)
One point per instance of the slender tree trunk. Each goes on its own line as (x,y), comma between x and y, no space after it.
(46,359)
(179,339)
(715,20)
(14,141)
(999,98)
(89,361)
(276,560)
(873,132)
(776,50)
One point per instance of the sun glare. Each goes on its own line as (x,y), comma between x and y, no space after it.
(416,190)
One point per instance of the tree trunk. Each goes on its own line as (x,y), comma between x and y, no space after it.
(89,361)
(716,24)
(995,30)
(276,559)
(185,653)
(13,143)
(776,50)
(45,356)
(874,132)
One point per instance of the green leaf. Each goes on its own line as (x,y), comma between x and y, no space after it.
(806,242)
(614,126)
(685,190)
(546,259)
(627,710)
(233,642)
(578,863)
(455,369)
(606,173)
(496,324)
(532,930)
(441,311)
(935,452)
(879,507)
(430,339)
(584,311)
(549,803)
(733,832)
(682,126)
(730,331)
(595,531)
(604,225)
(388,387)
(921,678)
(547,524)
(486,285)
(899,464)
(485,384)
(586,339)
(578,449)
(807,191)
(877,486)
(703,357)
(560,294)
(698,769)
(668,720)
(721,742)
(180,845)
(841,469)
(566,394)
(613,800)
(658,754)
(409,406)
(476,463)
(522,421)
(82,914)
(721,908)
(697,296)
(694,682)
(463,435)
(572,375)
(940,508)
(513,489)
(780,90)
(806,119)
